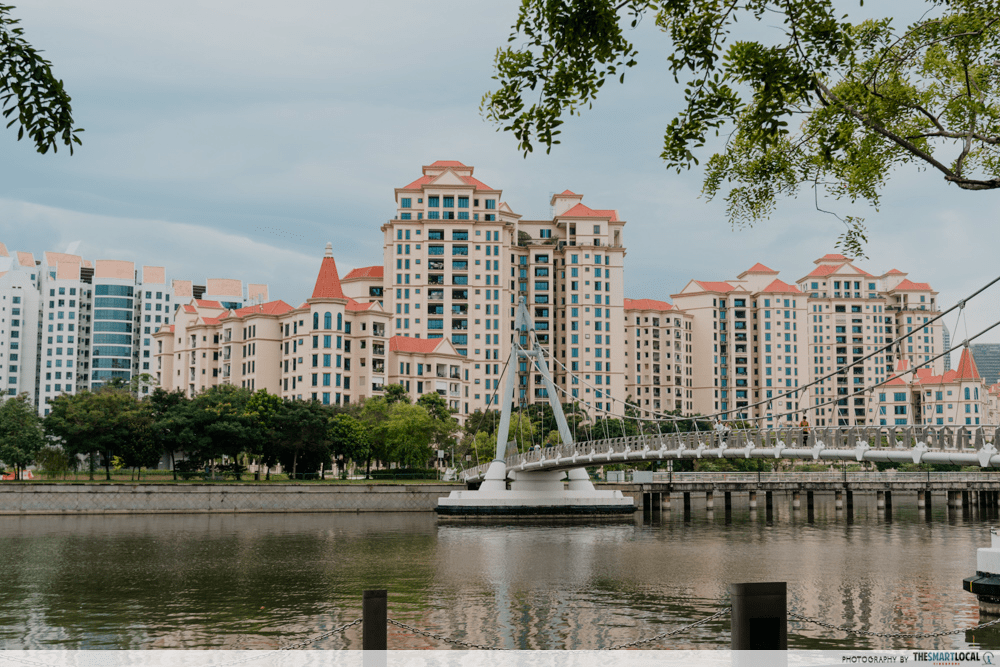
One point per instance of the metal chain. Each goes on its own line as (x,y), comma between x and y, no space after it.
(306,642)
(890,635)
(671,633)
(442,638)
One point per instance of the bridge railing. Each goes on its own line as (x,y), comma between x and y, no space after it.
(960,439)
(853,476)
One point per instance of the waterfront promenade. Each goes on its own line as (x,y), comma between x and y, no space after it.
(660,490)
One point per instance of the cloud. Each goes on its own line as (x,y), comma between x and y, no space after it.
(188,251)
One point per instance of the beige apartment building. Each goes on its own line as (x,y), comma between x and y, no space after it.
(852,315)
(747,360)
(918,396)
(457,260)
(331,348)
(659,352)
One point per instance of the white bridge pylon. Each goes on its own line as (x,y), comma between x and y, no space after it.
(540,491)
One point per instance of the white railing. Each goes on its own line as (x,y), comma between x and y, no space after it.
(962,445)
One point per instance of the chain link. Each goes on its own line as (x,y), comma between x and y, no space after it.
(442,638)
(888,635)
(670,633)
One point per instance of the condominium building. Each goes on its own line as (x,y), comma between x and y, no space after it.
(457,260)
(959,397)
(331,349)
(747,359)
(658,356)
(852,315)
(987,356)
(19,323)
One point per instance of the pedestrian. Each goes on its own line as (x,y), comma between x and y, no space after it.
(804,425)
(721,430)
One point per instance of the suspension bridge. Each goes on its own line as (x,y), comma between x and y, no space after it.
(553,480)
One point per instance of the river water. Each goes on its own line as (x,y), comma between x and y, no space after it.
(262,581)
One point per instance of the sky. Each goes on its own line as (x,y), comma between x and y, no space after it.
(235,138)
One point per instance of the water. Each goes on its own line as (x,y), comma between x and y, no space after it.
(261,581)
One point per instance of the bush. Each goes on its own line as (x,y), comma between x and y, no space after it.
(235,470)
(189,468)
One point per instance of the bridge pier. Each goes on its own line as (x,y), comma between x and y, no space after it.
(710,500)
(687,505)
(727,499)
(769,505)
(880,500)
(965,499)
(753,500)
(665,502)
(796,503)
(921,503)
(809,500)
(838,500)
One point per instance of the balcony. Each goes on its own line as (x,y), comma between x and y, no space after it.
(378,349)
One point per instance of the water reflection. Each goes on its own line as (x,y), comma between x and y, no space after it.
(259,581)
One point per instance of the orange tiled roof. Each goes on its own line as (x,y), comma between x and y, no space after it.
(418,345)
(894,272)
(910,286)
(366,272)
(354,306)
(647,304)
(581,211)
(188,308)
(328,282)
(3,250)
(967,367)
(424,180)
(208,304)
(278,307)
(709,286)
(823,270)
(759,268)
(25,258)
(447,163)
(568,193)
(779,286)
(833,256)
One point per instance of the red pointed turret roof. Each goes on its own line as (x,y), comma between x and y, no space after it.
(647,304)
(967,367)
(328,282)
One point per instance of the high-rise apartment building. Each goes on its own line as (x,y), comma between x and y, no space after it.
(659,351)
(457,260)
(987,356)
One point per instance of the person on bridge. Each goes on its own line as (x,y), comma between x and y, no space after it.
(804,425)
(722,430)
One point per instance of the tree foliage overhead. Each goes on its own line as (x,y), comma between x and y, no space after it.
(822,103)
(30,95)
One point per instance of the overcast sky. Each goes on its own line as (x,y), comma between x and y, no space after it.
(234,139)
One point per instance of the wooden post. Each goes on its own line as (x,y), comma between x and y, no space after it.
(759,616)
(374,624)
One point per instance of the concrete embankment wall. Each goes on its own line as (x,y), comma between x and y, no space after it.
(55,498)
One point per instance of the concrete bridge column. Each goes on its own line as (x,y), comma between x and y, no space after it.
(888,500)
(850,500)
(710,500)
(838,499)
(665,501)
(880,500)
(687,505)
(965,498)
(921,503)
(796,504)
(954,499)
(809,501)
(753,500)
(727,499)
(769,505)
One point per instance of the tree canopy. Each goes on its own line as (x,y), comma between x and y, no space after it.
(824,103)
(30,94)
